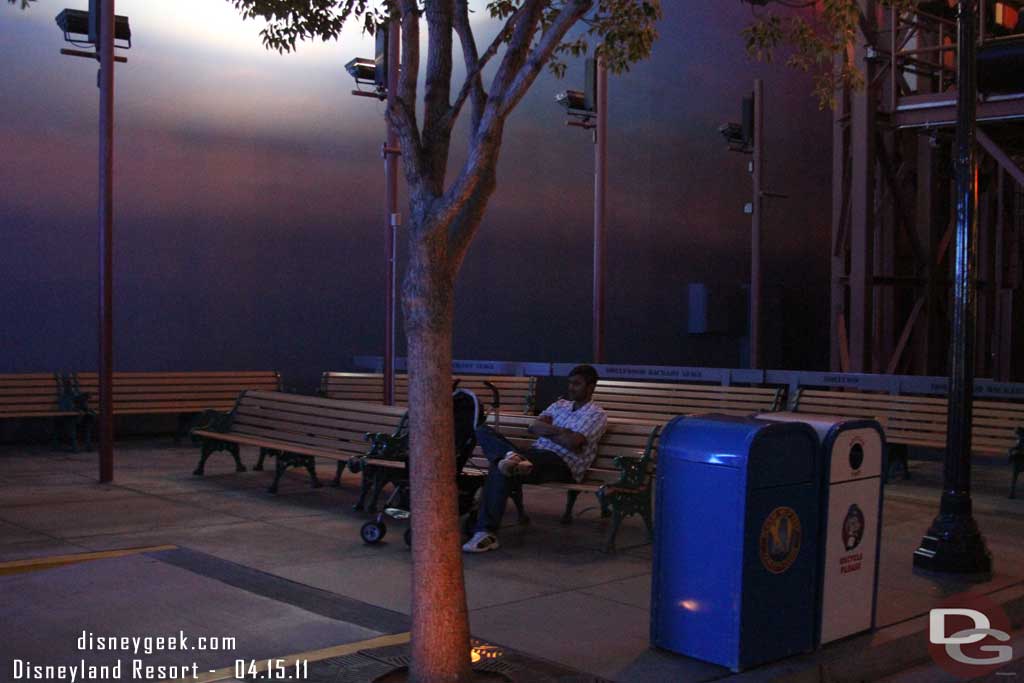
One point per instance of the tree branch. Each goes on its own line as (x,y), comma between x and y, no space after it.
(523,30)
(403,115)
(475,66)
(474,82)
(437,90)
(541,54)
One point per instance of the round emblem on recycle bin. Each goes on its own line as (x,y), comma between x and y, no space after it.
(781,535)
(853,527)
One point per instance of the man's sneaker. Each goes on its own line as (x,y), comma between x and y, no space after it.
(481,542)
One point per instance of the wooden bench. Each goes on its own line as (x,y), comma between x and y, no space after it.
(620,476)
(180,393)
(661,401)
(41,394)
(294,429)
(517,393)
(919,420)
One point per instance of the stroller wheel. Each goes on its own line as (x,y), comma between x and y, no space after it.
(408,537)
(373,532)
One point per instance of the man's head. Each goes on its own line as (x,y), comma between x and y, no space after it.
(582,382)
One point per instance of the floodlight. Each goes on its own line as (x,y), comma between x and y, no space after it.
(571,100)
(78,27)
(362,69)
(733,134)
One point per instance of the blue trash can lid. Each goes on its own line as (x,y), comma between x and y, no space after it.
(717,439)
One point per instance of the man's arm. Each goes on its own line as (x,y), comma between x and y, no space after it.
(566,438)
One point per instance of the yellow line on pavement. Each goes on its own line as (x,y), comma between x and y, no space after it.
(38,563)
(228,673)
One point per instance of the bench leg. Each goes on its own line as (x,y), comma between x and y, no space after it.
(55,428)
(516,494)
(280,465)
(366,482)
(897,457)
(204,454)
(1013,482)
(309,462)
(184,424)
(570,502)
(336,482)
(648,522)
(259,461)
(609,544)
(209,447)
(233,450)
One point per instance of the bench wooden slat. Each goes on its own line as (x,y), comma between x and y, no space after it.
(138,393)
(31,395)
(919,420)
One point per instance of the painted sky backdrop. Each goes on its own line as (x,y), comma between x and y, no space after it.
(249,193)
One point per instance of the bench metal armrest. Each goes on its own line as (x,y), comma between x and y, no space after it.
(387,446)
(633,472)
(211,421)
(393,446)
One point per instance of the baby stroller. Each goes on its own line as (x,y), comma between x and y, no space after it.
(468,414)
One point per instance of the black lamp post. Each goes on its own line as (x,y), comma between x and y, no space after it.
(953,543)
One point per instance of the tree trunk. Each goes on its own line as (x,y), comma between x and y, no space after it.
(440,619)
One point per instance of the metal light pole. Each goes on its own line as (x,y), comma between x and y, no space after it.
(100,27)
(953,543)
(106,239)
(390,152)
(600,187)
(757,171)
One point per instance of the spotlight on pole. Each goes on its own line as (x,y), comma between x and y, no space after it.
(581,105)
(374,71)
(82,27)
(571,100)
(740,136)
(363,70)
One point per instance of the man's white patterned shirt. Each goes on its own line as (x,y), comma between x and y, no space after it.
(588,420)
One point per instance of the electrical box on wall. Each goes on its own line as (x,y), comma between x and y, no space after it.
(715,309)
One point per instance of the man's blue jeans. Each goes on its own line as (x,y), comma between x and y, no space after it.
(547,466)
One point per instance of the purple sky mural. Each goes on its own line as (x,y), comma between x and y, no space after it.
(249,192)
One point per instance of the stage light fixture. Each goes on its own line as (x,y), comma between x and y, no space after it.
(81,27)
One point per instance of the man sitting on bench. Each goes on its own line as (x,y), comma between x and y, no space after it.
(568,432)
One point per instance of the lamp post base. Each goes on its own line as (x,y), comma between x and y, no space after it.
(954,544)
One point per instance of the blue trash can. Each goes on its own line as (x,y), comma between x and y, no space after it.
(735,542)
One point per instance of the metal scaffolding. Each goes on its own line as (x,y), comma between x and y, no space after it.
(893,215)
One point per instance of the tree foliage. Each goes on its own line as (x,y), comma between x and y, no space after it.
(820,35)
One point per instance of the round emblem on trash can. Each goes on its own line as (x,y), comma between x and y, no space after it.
(781,534)
(853,527)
